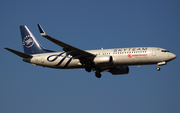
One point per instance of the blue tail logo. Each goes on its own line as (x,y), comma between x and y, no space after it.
(28,41)
(30,44)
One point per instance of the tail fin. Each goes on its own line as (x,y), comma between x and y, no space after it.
(30,44)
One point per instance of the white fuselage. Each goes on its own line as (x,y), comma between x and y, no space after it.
(115,61)
(121,57)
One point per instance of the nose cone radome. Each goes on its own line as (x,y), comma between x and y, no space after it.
(172,56)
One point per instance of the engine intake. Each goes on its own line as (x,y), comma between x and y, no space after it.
(119,70)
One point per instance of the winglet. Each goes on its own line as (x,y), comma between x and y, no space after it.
(42,32)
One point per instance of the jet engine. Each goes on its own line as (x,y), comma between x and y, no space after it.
(103,60)
(119,70)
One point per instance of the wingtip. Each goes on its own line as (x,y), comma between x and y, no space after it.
(42,32)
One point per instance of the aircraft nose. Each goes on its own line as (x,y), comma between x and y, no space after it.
(172,56)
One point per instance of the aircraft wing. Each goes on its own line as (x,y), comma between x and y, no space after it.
(73,51)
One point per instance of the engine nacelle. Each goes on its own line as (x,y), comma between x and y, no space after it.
(103,60)
(119,70)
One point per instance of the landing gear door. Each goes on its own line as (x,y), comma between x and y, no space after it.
(154,52)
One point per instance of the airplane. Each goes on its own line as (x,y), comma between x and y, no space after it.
(115,61)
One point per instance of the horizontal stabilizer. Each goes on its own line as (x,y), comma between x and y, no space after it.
(23,55)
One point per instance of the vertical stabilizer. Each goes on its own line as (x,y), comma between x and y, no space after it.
(30,44)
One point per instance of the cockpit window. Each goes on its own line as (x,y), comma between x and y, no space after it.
(164,51)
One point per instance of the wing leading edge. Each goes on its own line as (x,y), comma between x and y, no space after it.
(83,56)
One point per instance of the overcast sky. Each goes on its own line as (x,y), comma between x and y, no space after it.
(90,24)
